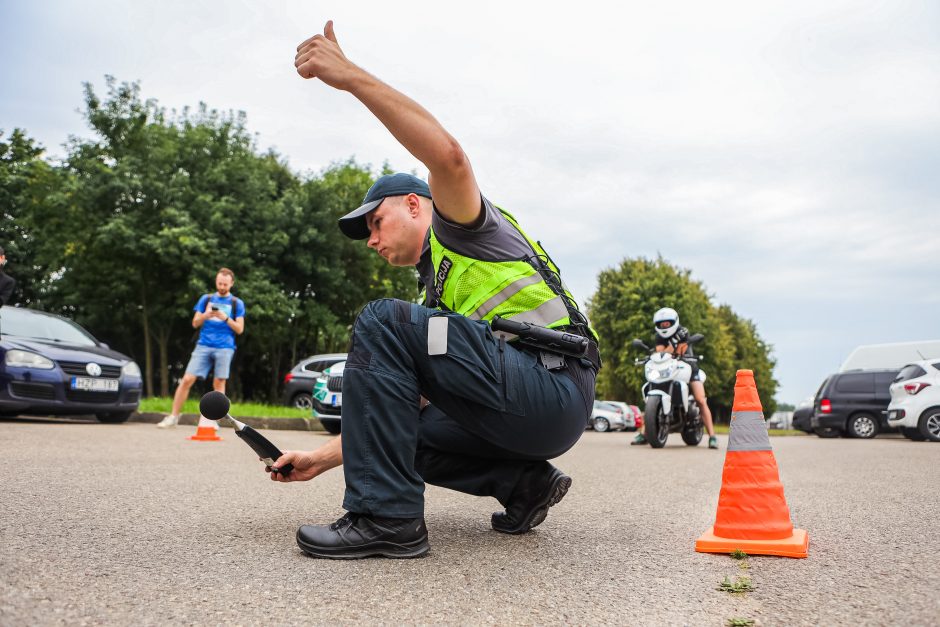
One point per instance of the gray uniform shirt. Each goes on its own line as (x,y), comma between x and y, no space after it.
(496,239)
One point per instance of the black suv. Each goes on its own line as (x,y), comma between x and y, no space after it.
(853,403)
(298,383)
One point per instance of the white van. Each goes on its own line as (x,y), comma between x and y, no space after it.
(890,356)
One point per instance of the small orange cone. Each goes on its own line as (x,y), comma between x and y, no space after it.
(752,512)
(206,431)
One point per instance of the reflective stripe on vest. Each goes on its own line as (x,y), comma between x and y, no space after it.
(546,314)
(505,294)
(748,432)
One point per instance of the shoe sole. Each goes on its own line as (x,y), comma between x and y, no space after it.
(418,548)
(559,488)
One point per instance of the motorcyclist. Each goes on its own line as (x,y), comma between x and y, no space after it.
(673,339)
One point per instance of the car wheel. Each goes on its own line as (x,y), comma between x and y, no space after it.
(332,427)
(601,424)
(863,426)
(930,424)
(302,401)
(656,427)
(827,432)
(114,417)
(912,433)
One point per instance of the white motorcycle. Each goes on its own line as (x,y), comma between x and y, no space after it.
(670,408)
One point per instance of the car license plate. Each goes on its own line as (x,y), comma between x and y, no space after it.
(94,385)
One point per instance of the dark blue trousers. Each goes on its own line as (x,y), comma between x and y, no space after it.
(494,412)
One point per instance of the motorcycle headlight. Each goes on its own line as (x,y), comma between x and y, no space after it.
(26,359)
(668,371)
(131,369)
(651,372)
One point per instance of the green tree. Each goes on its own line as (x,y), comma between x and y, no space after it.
(622,309)
(750,353)
(128,232)
(130,242)
(158,202)
(156,205)
(30,189)
(323,278)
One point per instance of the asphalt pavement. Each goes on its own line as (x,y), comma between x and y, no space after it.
(132,525)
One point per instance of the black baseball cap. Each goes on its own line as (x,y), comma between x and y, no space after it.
(353,224)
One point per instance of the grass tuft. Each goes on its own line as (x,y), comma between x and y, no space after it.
(738,554)
(739,622)
(739,586)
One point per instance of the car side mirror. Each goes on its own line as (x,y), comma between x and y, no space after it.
(695,339)
(640,344)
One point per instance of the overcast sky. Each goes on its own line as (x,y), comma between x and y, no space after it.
(787,153)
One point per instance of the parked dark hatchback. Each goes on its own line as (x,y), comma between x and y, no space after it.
(299,382)
(51,365)
(802,418)
(853,403)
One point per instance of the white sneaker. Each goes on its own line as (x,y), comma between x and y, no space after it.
(169,421)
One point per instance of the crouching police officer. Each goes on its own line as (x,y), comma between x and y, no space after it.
(430,393)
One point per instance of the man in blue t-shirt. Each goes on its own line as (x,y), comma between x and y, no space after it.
(219,317)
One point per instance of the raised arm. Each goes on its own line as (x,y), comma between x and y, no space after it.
(453,185)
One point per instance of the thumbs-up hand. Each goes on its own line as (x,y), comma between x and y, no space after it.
(321,57)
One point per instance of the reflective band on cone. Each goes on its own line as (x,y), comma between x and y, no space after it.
(752,511)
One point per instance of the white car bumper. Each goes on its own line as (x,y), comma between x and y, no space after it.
(903,414)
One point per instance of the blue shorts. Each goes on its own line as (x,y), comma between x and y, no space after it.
(206,358)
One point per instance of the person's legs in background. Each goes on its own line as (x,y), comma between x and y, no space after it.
(198,368)
(698,392)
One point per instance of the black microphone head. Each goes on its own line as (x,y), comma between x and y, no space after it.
(214,405)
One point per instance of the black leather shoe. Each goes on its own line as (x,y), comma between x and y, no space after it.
(357,535)
(528,506)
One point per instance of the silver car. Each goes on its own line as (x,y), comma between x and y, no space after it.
(608,416)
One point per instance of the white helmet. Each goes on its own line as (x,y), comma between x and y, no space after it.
(666,321)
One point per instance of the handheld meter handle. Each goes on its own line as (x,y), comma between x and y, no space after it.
(262,446)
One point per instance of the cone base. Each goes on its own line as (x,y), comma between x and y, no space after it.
(205,434)
(797,545)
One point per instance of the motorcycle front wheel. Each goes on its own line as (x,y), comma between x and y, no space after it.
(656,427)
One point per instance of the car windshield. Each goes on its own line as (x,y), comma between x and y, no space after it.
(30,324)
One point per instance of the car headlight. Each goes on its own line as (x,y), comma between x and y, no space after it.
(26,359)
(131,369)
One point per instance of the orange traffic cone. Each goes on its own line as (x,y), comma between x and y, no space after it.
(752,512)
(205,431)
